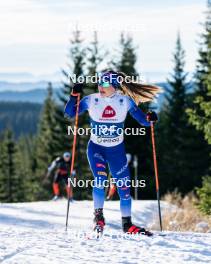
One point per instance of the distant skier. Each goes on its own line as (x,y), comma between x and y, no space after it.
(108,110)
(61,169)
(111,192)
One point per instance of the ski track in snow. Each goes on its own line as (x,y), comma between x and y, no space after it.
(35,233)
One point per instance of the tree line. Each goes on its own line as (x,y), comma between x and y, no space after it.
(183,131)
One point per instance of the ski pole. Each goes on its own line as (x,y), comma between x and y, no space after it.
(156,173)
(73,157)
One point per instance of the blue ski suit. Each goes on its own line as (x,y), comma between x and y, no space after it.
(106,146)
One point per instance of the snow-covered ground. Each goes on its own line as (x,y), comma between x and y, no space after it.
(35,233)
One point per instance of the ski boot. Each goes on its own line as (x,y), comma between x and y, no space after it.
(130,228)
(99,221)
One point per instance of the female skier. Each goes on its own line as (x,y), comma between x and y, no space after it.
(108,109)
(61,167)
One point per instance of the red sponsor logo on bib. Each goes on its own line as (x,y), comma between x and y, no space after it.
(108,112)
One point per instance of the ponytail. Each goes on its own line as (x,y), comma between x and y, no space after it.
(139,92)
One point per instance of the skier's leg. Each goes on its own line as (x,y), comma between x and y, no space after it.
(120,172)
(111,192)
(56,185)
(98,166)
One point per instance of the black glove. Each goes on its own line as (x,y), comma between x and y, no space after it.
(77,89)
(151,116)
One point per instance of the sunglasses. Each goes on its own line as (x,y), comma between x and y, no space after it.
(104,84)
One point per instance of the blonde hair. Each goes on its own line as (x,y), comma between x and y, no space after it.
(138,91)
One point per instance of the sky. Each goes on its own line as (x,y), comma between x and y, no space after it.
(35,34)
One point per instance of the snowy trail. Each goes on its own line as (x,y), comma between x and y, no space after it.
(35,233)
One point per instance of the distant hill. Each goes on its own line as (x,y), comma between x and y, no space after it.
(25,86)
(39,95)
(21,118)
(33,96)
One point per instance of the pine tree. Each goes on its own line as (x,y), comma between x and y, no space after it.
(94,59)
(173,123)
(182,158)
(200,113)
(76,64)
(45,143)
(11,183)
(24,171)
(127,56)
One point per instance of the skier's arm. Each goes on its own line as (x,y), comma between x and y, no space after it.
(137,113)
(70,108)
(53,165)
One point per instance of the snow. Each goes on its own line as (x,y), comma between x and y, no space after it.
(35,233)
